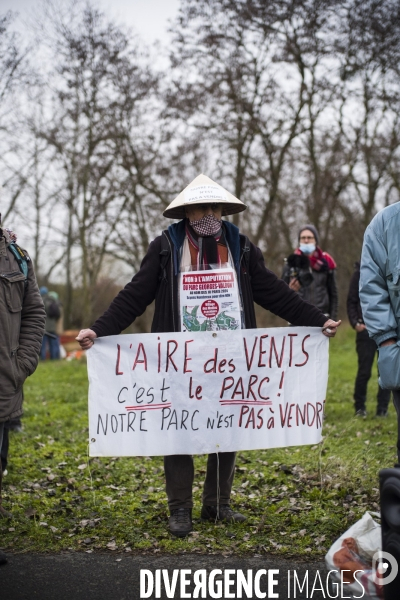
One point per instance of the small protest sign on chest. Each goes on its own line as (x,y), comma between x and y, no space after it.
(209,300)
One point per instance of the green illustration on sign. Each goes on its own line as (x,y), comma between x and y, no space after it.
(220,322)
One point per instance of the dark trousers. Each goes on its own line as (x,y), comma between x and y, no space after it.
(2,423)
(179,475)
(396,402)
(4,446)
(52,342)
(366,350)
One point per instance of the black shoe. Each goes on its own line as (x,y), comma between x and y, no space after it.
(361,412)
(221,513)
(3,558)
(381,412)
(15,425)
(180,522)
(16,428)
(4,514)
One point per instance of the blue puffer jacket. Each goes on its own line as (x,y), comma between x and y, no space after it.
(380,289)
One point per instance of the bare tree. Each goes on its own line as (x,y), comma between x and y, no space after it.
(13,77)
(144,143)
(92,55)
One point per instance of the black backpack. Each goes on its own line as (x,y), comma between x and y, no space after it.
(53,309)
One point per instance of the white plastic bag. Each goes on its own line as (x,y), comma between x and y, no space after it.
(354,551)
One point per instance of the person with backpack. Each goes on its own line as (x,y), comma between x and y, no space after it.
(22,318)
(51,340)
(201,240)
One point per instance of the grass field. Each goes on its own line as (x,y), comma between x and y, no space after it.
(298,500)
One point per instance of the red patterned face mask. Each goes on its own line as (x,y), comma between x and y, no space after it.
(207,225)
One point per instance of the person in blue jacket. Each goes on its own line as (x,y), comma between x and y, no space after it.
(380,297)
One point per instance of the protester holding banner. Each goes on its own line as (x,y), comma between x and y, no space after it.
(311,272)
(204,276)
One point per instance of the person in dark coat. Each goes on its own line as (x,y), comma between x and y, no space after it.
(201,240)
(366,351)
(22,318)
(319,288)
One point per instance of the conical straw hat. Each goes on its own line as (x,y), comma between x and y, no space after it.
(203,190)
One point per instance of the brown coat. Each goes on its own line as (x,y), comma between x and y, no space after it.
(22,318)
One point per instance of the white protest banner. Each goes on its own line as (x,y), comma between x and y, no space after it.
(182,393)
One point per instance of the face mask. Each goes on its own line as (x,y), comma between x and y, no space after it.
(307,248)
(207,225)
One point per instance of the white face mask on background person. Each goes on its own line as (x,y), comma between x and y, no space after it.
(307,248)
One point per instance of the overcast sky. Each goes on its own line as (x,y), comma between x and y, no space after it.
(148,17)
